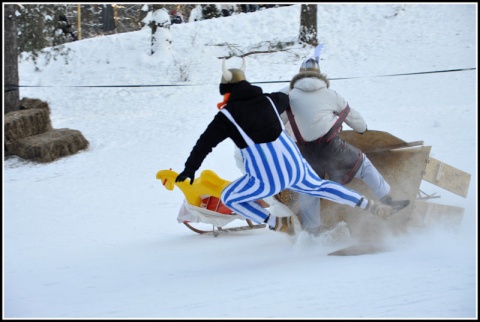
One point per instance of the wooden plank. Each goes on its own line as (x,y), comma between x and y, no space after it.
(392,146)
(427,214)
(361,249)
(370,139)
(447,177)
(376,141)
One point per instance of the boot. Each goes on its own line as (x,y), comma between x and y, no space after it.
(285,225)
(397,205)
(382,211)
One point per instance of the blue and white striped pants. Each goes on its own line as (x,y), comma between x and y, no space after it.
(275,166)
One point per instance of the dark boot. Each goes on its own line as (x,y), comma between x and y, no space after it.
(397,205)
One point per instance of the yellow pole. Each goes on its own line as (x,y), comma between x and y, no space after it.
(115,16)
(79,36)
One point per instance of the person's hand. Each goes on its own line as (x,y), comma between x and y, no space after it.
(187,173)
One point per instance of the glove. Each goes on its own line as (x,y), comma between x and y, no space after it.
(187,173)
(366,129)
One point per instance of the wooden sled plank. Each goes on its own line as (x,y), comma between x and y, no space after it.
(376,141)
(427,214)
(447,177)
(392,146)
(370,139)
(362,249)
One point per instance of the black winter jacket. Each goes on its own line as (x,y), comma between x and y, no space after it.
(253,112)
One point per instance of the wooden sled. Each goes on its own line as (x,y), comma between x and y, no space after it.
(202,203)
(403,165)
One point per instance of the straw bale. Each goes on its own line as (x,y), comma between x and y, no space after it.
(29,103)
(24,123)
(51,145)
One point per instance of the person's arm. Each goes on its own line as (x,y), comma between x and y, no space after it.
(280,100)
(215,133)
(284,117)
(355,121)
(354,118)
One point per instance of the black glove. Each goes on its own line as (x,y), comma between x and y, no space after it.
(187,173)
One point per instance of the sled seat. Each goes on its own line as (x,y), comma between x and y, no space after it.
(202,203)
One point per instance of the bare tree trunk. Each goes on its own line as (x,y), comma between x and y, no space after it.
(12,96)
(308,24)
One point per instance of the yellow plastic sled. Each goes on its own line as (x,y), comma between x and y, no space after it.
(202,202)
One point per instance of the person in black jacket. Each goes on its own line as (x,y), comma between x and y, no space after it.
(316,117)
(271,158)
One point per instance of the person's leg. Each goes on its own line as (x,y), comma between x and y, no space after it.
(265,177)
(333,191)
(380,188)
(310,212)
(374,180)
(241,196)
(302,178)
(313,185)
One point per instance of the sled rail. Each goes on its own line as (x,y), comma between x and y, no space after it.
(218,230)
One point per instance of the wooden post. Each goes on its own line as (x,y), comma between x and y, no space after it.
(79,25)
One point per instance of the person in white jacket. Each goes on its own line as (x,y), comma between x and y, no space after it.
(315,116)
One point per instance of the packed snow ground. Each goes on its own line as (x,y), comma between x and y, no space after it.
(95,235)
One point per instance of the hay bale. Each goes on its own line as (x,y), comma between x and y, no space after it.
(33,118)
(29,103)
(51,145)
(24,123)
(29,134)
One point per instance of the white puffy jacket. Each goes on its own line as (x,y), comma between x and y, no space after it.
(316,108)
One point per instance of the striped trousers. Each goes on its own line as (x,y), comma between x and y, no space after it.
(275,166)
